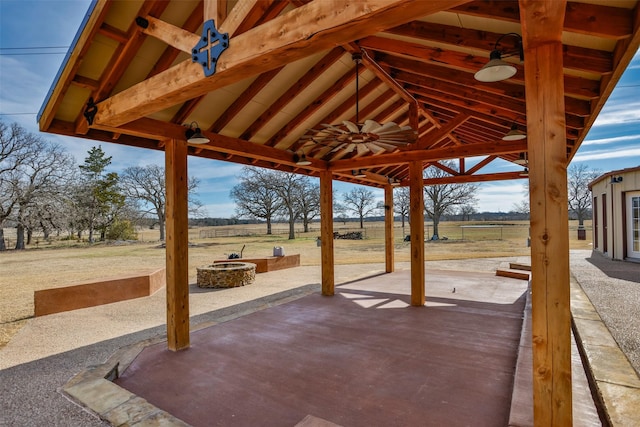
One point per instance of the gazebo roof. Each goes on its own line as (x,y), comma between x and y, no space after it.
(288,68)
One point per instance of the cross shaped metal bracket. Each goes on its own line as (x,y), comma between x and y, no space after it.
(211,45)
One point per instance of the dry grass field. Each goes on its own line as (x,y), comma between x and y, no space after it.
(58,264)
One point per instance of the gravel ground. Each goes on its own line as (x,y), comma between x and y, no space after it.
(614,289)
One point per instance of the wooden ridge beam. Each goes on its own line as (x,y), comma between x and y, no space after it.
(287,38)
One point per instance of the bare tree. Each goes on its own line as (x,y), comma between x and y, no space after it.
(441,199)
(146,185)
(578,178)
(466,211)
(288,187)
(15,150)
(401,203)
(253,198)
(360,201)
(31,170)
(521,207)
(308,201)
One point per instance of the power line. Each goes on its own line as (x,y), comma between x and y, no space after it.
(34,47)
(11,51)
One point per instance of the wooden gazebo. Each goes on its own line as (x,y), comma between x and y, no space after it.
(262,73)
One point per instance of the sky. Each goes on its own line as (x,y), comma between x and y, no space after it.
(36,35)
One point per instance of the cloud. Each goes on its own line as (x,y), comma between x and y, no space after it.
(619,113)
(607,154)
(500,196)
(612,140)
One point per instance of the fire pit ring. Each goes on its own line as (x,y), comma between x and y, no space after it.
(226,275)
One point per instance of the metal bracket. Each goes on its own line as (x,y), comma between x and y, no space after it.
(209,48)
(90,111)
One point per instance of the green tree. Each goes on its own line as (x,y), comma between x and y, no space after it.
(99,194)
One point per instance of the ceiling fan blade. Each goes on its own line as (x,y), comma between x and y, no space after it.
(362,149)
(374,148)
(386,145)
(370,126)
(350,148)
(353,128)
(388,126)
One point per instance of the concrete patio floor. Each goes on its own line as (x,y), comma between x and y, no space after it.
(361,358)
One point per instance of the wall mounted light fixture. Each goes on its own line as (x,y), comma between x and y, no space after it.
(514,134)
(194,134)
(301,159)
(496,69)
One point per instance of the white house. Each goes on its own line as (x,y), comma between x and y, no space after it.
(616,214)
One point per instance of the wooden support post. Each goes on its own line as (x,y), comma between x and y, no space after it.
(416,214)
(542,23)
(177,260)
(388,229)
(326,232)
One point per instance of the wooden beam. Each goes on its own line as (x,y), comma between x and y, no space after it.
(416,219)
(431,138)
(388,229)
(550,292)
(471,150)
(216,10)
(467,178)
(414,108)
(151,128)
(174,36)
(177,245)
(326,233)
(304,31)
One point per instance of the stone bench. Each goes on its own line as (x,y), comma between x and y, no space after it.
(270,263)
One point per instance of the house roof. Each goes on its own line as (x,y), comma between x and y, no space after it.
(289,68)
(607,175)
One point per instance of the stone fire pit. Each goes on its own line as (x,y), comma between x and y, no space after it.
(226,274)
